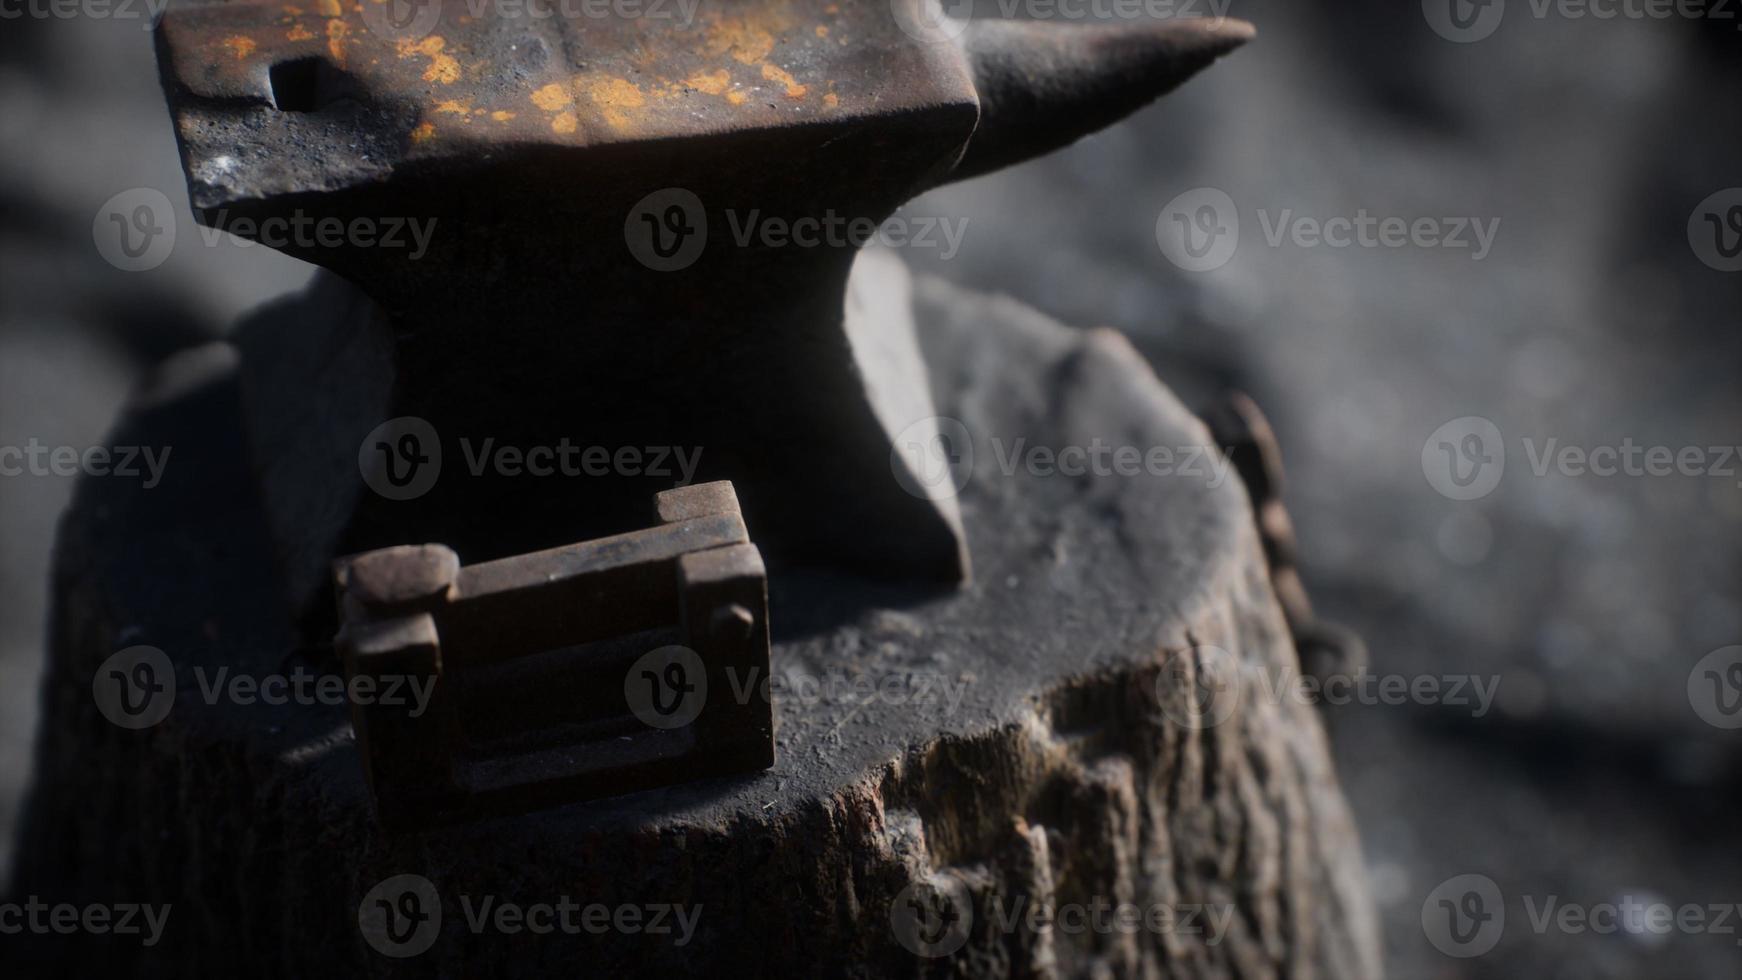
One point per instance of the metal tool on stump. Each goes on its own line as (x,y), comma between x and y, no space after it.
(587,178)
(528,688)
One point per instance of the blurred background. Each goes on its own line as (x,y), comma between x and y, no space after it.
(1596,315)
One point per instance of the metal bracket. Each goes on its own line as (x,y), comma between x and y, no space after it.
(590,670)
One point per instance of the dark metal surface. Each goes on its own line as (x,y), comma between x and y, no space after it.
(531,143)
(527,659)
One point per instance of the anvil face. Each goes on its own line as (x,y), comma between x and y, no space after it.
(275,99)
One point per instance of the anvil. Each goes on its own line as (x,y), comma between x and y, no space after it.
(588,174)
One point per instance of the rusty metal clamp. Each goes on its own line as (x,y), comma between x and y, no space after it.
(569,674)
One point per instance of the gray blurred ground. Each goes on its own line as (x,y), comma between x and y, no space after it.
(1592,321)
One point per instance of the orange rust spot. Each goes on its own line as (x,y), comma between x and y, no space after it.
(736,98)
(501,115)
(293,11)
(299,33)
(552,97)
(564,123)
(443,68)
(715,84)
(454,108)
(793,89)
(833,8)
(744,41)
(240,46)
(831,100)
(822,31)
(337,31)
(424,131)
(614,95)
(329,8)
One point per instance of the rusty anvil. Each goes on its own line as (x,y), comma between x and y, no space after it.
(564,296)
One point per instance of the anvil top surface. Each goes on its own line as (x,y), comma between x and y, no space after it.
(485,76)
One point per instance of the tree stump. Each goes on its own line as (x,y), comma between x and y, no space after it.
(945,762)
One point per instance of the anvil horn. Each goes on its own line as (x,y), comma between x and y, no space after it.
(1044,85)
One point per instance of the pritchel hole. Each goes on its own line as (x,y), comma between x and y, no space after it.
(309,85)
